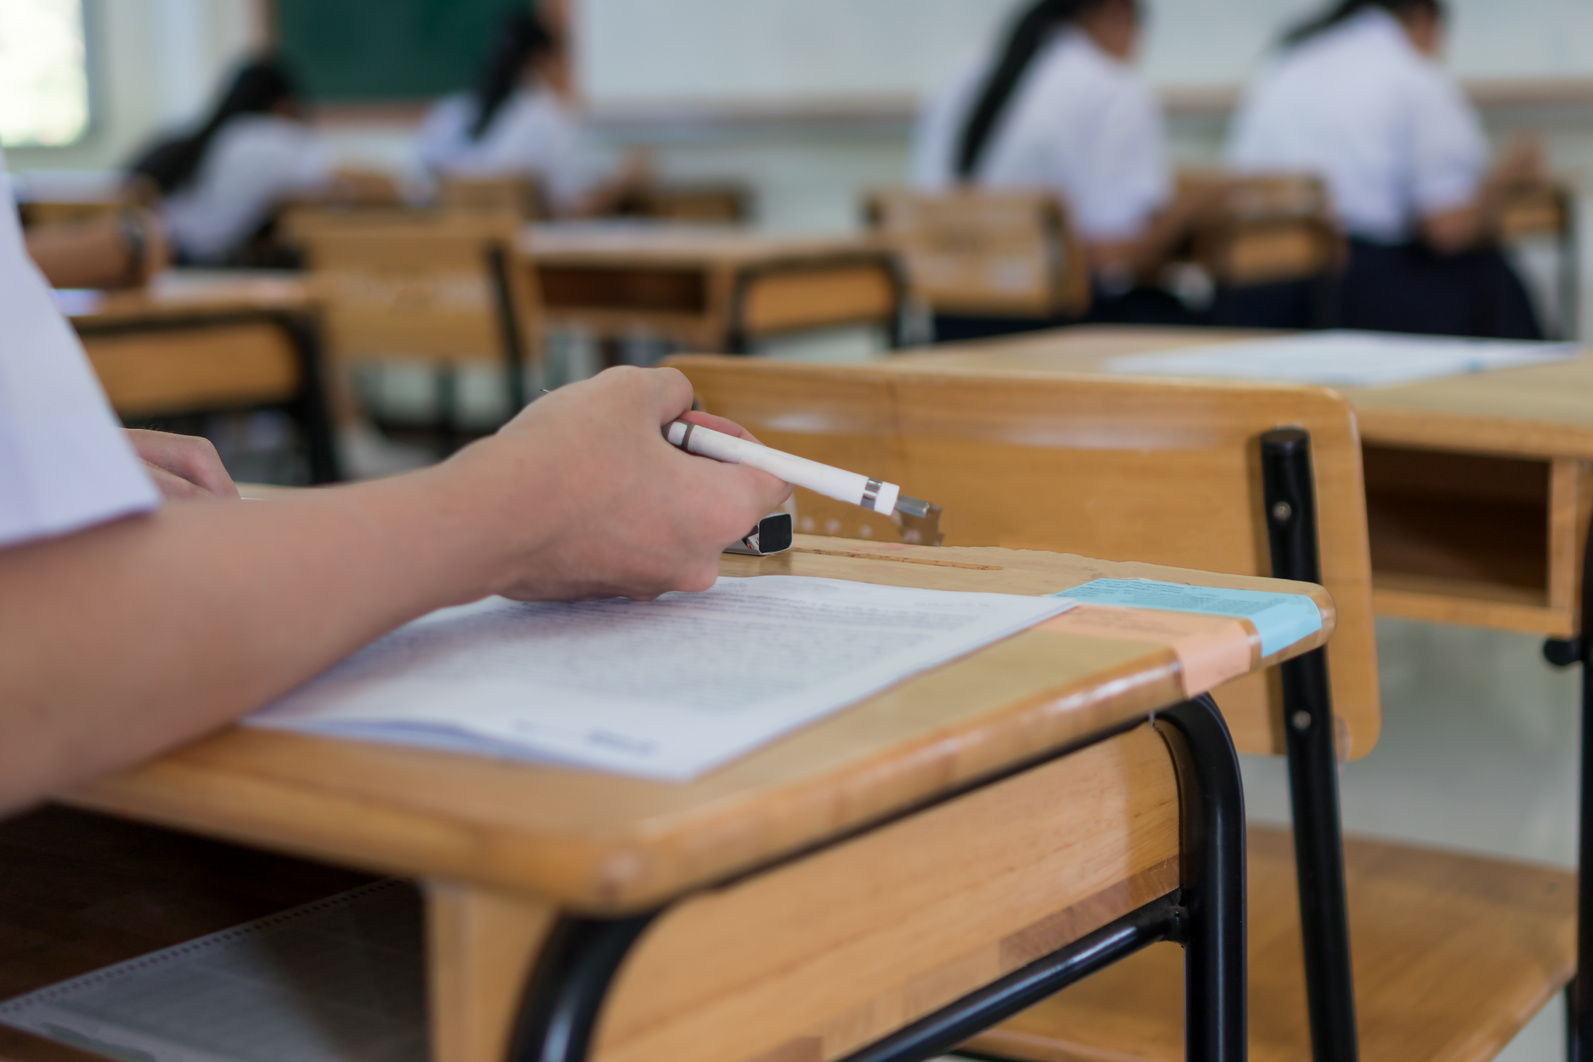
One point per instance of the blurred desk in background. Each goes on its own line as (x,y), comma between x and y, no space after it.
(710,288)
(196,342)
(1478,487)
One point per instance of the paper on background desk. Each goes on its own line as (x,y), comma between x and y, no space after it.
(663,689)
(1343,358)
(338,980)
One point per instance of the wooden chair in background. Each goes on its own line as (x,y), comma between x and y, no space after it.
(415,285)
(518,197)
(723,202)
(972,254)
(1268,233)
(1451,954)
(1546,210)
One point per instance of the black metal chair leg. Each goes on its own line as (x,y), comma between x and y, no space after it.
(1579,993)
(1290,500)
(312,410)
(1215,986)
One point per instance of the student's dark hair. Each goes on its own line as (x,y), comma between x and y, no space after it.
(1028,33)
(258,87)
(1347,9)
(521,37)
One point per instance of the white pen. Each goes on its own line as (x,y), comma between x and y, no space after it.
(919,520)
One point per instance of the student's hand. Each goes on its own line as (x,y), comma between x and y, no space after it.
(601,504)
(182,466)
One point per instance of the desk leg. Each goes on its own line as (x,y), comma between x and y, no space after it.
(481,945)
(1579,993)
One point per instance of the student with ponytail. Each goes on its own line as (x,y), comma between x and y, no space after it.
(515,122)
(1059,107)
(1356,96)
(219,184)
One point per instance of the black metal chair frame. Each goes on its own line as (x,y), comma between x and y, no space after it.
(309,408)
(498,263)
(566,989)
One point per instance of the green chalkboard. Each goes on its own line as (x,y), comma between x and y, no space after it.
(351,51)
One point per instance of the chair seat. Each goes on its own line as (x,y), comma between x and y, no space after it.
(1453,955)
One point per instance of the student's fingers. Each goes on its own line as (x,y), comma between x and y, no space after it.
(173,487)
(720,424)
(186,456)
(668,392)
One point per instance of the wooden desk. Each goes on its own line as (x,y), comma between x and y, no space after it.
(196,341)
(1478,487)
(848,803)
(708,288)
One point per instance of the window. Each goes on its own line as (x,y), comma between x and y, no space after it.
(44,96)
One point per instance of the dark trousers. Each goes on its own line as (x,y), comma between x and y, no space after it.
(1400,288)
(1138,306)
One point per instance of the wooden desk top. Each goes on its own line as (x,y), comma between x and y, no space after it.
(607,843)
(188,293)
(599,243)
(1540,411)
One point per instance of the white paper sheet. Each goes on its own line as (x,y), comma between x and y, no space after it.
(662,689)
(1342,358)
(339,980)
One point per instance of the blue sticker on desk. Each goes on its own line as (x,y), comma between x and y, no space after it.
(1280,619)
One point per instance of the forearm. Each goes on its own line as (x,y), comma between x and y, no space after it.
(129,638)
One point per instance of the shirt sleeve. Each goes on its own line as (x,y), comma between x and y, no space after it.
(1449,151)
(1125,179)
(64,462)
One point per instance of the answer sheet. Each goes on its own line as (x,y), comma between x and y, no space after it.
(1343,358)
(664,689)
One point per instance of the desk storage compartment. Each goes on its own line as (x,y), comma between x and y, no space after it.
(669,291)
(1473,539)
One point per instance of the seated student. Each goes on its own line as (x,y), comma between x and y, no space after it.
(1357,97)
(515,123)
(130,624)
(219,185)
(1059,107)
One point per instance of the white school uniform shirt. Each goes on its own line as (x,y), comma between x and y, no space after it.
(252,163)
(533,134)
(1389,132)
(64,462)
(1079,122)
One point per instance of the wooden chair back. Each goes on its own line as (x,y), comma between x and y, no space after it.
(1268,228)
(722,202)
(1011,254)
(519,197)
(1535,210)
(1150,470)
(440,286)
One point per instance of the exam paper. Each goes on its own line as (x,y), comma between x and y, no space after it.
(663,689)
(339,980)
(1343,358)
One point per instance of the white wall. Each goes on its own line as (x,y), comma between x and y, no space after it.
(154,63)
